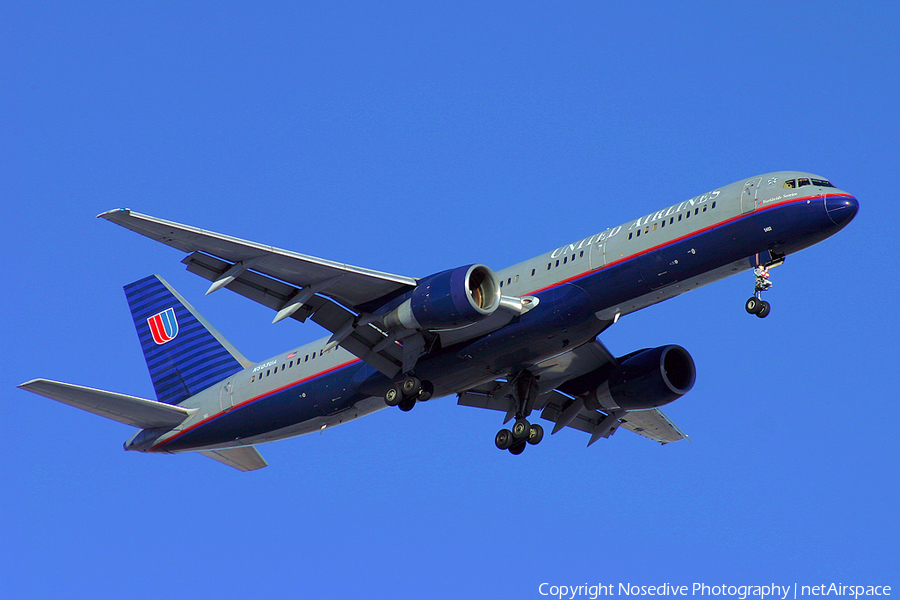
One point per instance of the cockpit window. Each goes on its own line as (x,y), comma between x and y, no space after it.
(795,183)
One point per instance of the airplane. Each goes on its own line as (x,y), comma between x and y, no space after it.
(523,340)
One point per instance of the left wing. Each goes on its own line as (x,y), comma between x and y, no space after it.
(353,287)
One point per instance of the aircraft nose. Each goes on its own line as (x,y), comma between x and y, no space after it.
(841,209)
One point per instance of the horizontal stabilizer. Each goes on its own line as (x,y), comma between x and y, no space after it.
(245,458)
(137,412)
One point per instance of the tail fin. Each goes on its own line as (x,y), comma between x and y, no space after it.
(184,353)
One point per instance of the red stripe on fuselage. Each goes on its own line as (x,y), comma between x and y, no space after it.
(679,239)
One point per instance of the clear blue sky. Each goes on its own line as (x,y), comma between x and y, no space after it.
(416,137)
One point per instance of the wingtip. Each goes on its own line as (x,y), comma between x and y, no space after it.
(110,213)
(31,383)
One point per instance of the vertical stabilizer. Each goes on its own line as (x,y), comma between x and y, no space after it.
(184,353)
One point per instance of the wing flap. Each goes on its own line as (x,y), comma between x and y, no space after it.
(244,458)
(576,362)
(360,340)
(357,286)
(653,424)
(130,410)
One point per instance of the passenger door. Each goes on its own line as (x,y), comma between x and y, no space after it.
(226,395)
(598,253)
(750,195)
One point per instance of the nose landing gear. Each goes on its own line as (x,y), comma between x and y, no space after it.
(755,305)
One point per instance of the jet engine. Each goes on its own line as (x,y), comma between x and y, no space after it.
(645,379)
(448,300)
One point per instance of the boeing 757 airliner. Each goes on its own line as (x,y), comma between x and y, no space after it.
(522,340)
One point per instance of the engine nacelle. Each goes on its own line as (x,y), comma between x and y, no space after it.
(646,380)
(448,300)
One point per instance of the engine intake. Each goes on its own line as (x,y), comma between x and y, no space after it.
(648,379)
(448,300)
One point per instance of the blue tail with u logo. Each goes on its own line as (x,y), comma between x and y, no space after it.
(184,353)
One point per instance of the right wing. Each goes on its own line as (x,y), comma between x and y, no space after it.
(137,412)
(565,410)
(655,425)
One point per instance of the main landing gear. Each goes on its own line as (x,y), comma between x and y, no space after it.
(409,391)
(523,392)
(755,305)
(522,433)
